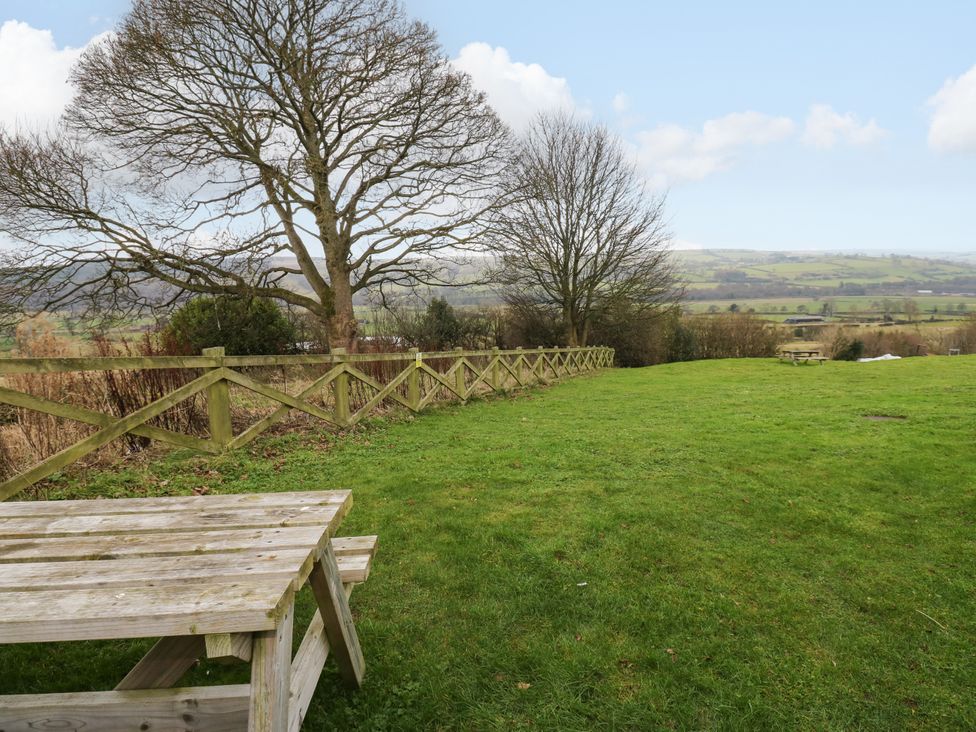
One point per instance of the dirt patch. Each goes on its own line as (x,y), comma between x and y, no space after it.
(885,417)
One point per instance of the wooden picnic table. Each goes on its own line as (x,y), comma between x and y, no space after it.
(212,575)
(798,355)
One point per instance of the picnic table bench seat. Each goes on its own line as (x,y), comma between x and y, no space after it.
(215,576)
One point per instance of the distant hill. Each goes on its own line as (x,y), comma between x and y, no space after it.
(712,273)
(741,273)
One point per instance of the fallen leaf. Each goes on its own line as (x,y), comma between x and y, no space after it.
(523,685)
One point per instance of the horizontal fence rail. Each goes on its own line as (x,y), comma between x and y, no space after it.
(410,379)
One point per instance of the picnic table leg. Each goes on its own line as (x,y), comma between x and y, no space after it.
(337,617)
(271,674)
(164,664)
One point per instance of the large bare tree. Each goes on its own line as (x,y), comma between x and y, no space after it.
(580,231)
(221,147)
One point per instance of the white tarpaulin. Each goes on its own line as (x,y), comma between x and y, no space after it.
(886,357)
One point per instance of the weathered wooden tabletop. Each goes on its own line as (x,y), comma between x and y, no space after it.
(128,568)
(207,574)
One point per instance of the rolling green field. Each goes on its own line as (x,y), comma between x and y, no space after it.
(943,307)
(900,278)
(706,268)
(708,545)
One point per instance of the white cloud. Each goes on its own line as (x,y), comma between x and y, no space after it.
(34,78)
(673,154)
(621,103)
(953,126)
(825,127)
(516,90)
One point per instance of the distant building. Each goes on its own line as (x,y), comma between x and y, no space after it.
(805,320)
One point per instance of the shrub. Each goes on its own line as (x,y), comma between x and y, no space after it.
(243,326)
(895,342)
(846,348)
(531,326)
(639,337)
(732,335)
(963,338)
(439,327)
(682,345)
(311,332)
(645,337)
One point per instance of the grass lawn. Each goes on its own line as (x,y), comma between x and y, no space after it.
(712,545)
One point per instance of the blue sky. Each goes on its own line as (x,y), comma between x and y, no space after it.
(771,125)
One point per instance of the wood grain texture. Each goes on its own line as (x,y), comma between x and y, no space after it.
(97,570)
(140,612)
(157,571)
(271,674)
(307,668)
(228,646)
(160,523)
(159,545)
(337,617)
(168,504)
(203,709)
(165,663)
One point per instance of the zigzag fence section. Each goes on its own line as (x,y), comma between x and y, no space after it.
(338,388)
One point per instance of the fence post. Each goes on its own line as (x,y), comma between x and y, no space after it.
(459,375)
(496,380)
(540,365)
(340,391)
(520,366)
(413,381)
(218,403)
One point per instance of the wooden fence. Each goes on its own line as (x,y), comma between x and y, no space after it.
(412,380)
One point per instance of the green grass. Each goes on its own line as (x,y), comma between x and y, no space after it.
(713,545)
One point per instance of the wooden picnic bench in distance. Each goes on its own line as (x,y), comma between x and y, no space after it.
(802,355)
(215,576)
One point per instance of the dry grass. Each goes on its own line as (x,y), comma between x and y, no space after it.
(30,436)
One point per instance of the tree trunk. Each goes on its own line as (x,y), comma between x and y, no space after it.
(343,326)
(569,327)
(584,332)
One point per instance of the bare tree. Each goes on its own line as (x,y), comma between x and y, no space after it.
(221,147)
(580,231)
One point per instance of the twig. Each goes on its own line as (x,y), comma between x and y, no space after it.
(933,620)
